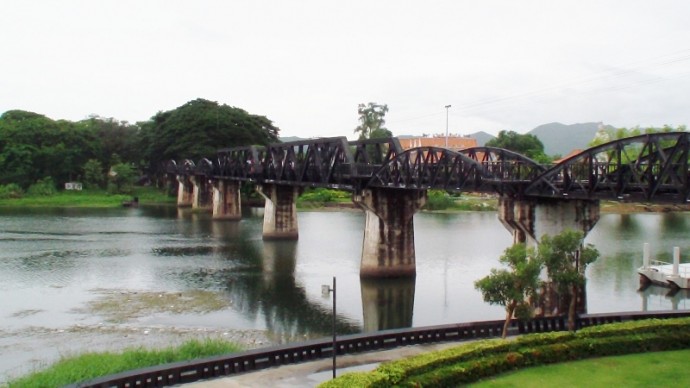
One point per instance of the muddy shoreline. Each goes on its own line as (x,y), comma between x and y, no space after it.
(32,348)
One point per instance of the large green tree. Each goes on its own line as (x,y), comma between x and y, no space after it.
(566,259)
(372,121)
(33,146)
(114,138)
(528,145)
(513,287)
(198,129)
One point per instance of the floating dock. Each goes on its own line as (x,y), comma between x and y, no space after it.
(675,275)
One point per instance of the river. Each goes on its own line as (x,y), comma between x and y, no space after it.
(64,269)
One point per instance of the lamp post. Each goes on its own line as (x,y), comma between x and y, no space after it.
(325,290)
(447,108)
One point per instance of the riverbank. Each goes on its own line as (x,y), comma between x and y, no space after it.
(90,198)
(153,196)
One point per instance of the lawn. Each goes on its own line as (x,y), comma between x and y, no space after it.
(656,369)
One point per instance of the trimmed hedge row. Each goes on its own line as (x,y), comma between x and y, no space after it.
(470,362)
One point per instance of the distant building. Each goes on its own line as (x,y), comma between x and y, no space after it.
(570,155)
(455,142)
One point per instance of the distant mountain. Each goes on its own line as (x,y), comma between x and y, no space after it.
(482,137)
(288,139)
(560,139)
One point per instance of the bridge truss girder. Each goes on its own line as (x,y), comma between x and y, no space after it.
(645,168)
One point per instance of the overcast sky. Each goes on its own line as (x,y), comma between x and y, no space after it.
(306,65)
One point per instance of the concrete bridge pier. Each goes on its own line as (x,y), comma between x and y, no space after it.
(201,197)
(529,219)
(388,248)
(226,200)
(185,191)
(280,211)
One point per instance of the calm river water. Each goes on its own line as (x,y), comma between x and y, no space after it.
(54,262)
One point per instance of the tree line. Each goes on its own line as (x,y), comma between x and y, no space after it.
(98,151)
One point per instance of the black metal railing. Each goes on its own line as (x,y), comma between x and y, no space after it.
(257,359)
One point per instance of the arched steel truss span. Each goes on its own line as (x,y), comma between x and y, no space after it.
(431,168)
(326,162)
(481,169)
(645,168)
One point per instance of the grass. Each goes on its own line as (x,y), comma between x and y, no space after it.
(89,198)
(656,369)
(69,370)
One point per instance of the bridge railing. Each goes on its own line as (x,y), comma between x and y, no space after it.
(257,359)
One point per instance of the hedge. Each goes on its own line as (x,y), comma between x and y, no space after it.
(470,362)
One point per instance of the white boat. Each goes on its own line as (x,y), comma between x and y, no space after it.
(674,274)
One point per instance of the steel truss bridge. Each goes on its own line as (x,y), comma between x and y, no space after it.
(645,168)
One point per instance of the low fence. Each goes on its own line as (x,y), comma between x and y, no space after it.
(257,359)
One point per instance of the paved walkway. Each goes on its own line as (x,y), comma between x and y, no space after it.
(310,374)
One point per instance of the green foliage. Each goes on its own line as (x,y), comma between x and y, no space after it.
(93,174)
(512,287)
(609,134)
(566,260)
(122,176)
(70,370)
(198,129)
(473,361)
(438,200)
(11,191)
(528,145)
(372,121)
(44,187)
(321,195)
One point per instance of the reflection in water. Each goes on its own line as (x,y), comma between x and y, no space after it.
(673,223)
(662,298)
(269,288)
(387,303)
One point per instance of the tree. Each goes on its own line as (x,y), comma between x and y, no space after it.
(512,287)
(114,137)
(528,145)
(371,121)
(122,175)
(198,129)
(33,146)
(566,260)
(93,173)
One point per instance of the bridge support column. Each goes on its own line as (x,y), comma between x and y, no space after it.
(200,193)
(185,189)
(280,211)
(226,200)
(388,248)
(529,219)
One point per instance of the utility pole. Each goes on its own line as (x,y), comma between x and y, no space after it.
(447,108)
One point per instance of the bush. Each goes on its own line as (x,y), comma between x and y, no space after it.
(471,362)
(11,191)
(324,195)
(43,188)
(438,200)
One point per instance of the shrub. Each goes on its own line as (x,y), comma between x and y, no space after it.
(324,195)
(438,200)
(473,361)
(44,187)
(10,191)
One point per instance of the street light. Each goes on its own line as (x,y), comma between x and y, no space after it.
(447,107)
(325,290)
